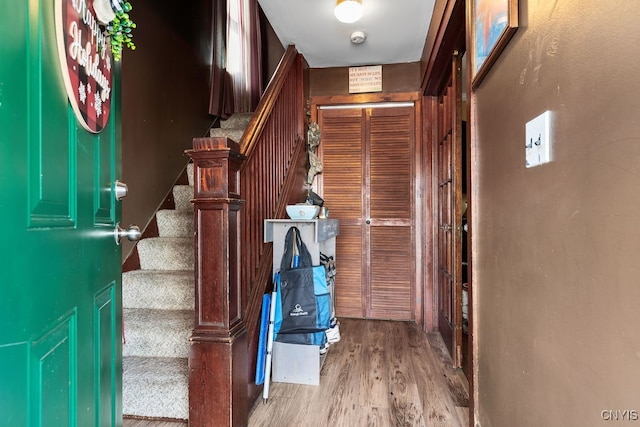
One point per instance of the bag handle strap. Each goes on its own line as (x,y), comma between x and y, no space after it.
(293,243)
(305,256)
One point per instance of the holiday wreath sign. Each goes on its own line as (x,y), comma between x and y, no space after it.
(85,59)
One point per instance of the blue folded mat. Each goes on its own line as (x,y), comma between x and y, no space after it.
(262,339)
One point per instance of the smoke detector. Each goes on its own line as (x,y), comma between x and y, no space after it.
(357,37)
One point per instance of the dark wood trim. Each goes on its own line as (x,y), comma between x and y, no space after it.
(429,189)
(456,85)
(361,99)
(472,294)
(446,34)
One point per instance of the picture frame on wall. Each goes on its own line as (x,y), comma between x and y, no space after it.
(493,23)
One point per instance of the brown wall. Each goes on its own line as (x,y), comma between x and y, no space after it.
(272,49)
(165,98)
(404,77)
(556,247)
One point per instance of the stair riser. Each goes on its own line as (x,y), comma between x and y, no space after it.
(157,333)
(234,135)
(182,195)
(155,388)
(190,173)
(157,290)
(237,121)
(166,254)
(140,344)
(175,223)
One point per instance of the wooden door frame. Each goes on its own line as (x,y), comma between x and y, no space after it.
(423,278)
(450,33)
(446,114)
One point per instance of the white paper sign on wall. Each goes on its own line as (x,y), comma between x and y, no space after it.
(365,79)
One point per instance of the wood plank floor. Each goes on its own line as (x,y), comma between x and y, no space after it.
(147,423)
(380,374)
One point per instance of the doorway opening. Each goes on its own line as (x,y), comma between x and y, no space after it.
(369,151)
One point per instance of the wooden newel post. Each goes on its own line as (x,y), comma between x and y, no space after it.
(218,370)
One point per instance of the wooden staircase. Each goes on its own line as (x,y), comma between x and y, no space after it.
(237,187)
(192,337)
(158,305)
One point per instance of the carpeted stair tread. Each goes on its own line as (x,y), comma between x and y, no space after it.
(233,134)
(157,333)
(166,253)
(175,223)
(158,315)
(158,289)
(182,195)
(155,387)
(236,121)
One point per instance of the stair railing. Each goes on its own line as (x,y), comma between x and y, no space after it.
(271,177)
(237,187)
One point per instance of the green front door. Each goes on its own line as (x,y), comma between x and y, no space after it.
(60,268)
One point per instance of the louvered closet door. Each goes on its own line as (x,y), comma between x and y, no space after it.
(342,179)
(367,183)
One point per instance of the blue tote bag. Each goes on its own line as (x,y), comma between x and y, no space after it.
(305,301)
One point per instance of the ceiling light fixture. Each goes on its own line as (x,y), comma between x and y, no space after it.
(348,11)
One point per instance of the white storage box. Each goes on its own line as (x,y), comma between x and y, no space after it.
(296,363)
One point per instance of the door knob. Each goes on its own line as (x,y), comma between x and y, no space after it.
(132,233)
(121,190)
(445,227)
(368,221)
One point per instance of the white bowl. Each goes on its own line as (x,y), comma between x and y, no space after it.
(302,211)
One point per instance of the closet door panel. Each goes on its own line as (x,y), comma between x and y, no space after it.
(349,260)
(391,158)
(392,267)
(391,174)
(342,183)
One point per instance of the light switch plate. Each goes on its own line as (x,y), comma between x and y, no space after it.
(538,140)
